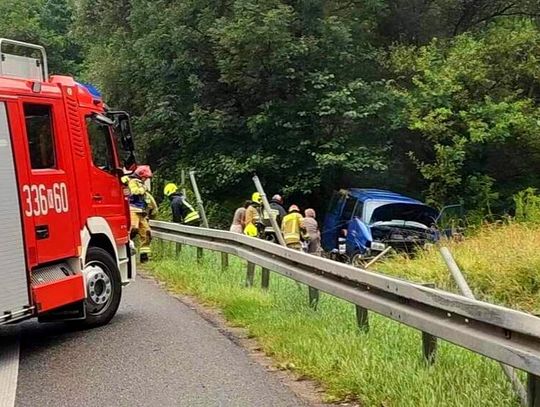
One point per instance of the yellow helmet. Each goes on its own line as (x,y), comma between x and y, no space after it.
(256,197)
(170,189)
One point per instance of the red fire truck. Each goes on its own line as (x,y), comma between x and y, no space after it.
(64,216)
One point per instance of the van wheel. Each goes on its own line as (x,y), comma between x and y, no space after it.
(103,287)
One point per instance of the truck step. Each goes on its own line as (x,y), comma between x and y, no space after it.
(49,274)
(55,286)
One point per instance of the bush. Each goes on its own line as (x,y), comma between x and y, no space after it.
(527,206)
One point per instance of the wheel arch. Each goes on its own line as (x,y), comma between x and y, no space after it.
(98,233)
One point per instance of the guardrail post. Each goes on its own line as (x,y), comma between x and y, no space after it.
(362,318)
(429,342)
(429,347)
(199,254)
(178,249)
(224,261)
(265,279)
(533,390)
(313,297)
(250,274)
(161,248)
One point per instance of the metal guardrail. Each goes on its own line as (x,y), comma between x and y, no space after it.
(508,336)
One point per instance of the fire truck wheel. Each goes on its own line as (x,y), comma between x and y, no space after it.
(103,286)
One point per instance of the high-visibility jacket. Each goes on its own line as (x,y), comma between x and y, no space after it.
(253,215)
(137,195)
(291,226)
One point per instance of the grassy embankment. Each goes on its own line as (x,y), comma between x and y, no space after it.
(383,367)
(501,264)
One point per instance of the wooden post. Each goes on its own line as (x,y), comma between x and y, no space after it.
(533,390)
(265,279)
(429,342)
(362,318)
(313,297)
(199,254)
(224,261)
(250,274)
(178,249)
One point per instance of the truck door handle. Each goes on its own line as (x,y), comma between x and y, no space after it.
(42,232)
(97,198)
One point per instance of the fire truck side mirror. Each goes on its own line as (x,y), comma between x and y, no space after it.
(126,135)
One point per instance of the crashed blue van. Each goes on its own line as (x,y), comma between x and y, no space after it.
(367,221)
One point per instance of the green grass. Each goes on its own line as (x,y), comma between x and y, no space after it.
(381,368)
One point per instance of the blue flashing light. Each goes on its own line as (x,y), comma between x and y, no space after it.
(96,94)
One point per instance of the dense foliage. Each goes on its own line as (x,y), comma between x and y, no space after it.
(438,98)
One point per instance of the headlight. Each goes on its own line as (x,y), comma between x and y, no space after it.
(378,246)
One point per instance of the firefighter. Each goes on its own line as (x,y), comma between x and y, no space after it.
(293,229)
(276,203)
(253,216)
(182,211)
(141,205)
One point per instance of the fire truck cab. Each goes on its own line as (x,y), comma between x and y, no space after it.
(65,251)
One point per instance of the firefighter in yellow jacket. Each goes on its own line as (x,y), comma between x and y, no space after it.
(293,229)
(253,216)
(142,205)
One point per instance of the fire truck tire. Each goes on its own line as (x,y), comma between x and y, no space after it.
(104,287)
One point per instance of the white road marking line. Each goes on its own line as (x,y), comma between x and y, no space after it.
(9,366)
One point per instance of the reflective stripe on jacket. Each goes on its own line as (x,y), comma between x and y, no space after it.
(191,218)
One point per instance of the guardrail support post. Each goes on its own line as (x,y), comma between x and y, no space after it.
(178,249)
(265,279)
(250,274)
(362,318)
(199,254)
(429,347)
(313,297)
(224,261)
(533,390)
(429,342)
(161,248)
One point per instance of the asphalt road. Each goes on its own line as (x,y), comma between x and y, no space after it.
(155,352)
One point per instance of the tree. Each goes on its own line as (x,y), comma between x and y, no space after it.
(45,22)
(469,98)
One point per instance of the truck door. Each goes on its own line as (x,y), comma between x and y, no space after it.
(108,199)
(14,288)
(48,197)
